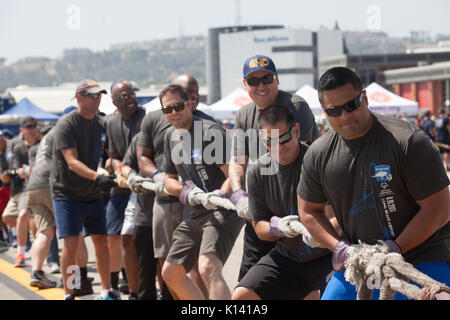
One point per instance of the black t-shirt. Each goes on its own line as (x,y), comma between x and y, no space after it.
(442,134)
(7,163)
(276,195)
(199,152)
(373,183)
(74,131)
(40,176)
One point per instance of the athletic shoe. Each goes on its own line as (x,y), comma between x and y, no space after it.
(20,261)
(54,268)
(85,289)
(112,295)
(39,280)
(133,296)
(123,287)
(69,297)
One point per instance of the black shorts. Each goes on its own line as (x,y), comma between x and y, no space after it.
(276,277)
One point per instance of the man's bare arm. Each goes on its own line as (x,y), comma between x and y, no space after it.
(434,213)
(313,217)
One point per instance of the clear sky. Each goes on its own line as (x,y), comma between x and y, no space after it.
(47,27)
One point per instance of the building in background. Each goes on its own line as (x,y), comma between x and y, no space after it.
(296,53)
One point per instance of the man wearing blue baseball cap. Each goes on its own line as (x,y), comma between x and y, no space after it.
(261,82)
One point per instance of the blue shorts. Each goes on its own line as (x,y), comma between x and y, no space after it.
(73,216)
(115,213)
(339,289)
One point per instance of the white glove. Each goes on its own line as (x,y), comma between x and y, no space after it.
(135,182)
(206,202)
(193,198)
(160,185)
(240,200)
(309,240)
(282,225)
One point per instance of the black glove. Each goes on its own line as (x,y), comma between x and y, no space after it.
(11,172)
(106,182)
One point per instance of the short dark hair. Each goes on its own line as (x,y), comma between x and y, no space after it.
(337,77)
(275,113)
(174,89)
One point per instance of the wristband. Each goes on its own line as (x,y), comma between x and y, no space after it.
(155,172)
(121,167)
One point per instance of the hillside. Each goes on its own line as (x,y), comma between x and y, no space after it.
(150,62)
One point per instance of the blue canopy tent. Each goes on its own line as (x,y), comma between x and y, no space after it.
(26,108)
(11,117)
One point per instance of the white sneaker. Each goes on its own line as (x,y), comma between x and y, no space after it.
(54,268)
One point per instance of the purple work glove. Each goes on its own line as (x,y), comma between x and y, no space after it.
(341,253)
(393,246)
(240,200)
(279,227)
(188,192)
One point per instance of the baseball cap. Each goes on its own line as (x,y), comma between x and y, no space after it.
(89,86)
(258,62)
(26,121)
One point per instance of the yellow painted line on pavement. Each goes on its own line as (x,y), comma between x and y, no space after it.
(23,277)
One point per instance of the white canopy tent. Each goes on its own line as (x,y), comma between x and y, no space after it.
(227,107)
(385,101)
(310,95)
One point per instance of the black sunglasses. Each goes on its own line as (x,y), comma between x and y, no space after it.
(253,81)
(177,107)
(91,95)
(283,139)
(124,98)
(31,126)
(350,106)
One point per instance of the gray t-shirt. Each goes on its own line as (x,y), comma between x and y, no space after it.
(120,132)
(32,152)
(247,121)
(201,154)
(153,130)
(200,114)
(20,158)
(40,176)
(276,195)
(373,183)
(74,131)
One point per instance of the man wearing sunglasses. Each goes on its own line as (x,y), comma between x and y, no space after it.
(191,85)
(299,269)
(121,127)
(261,82)
(384,179)
(17,213)
(75,185)
(166,211)
(208,235)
